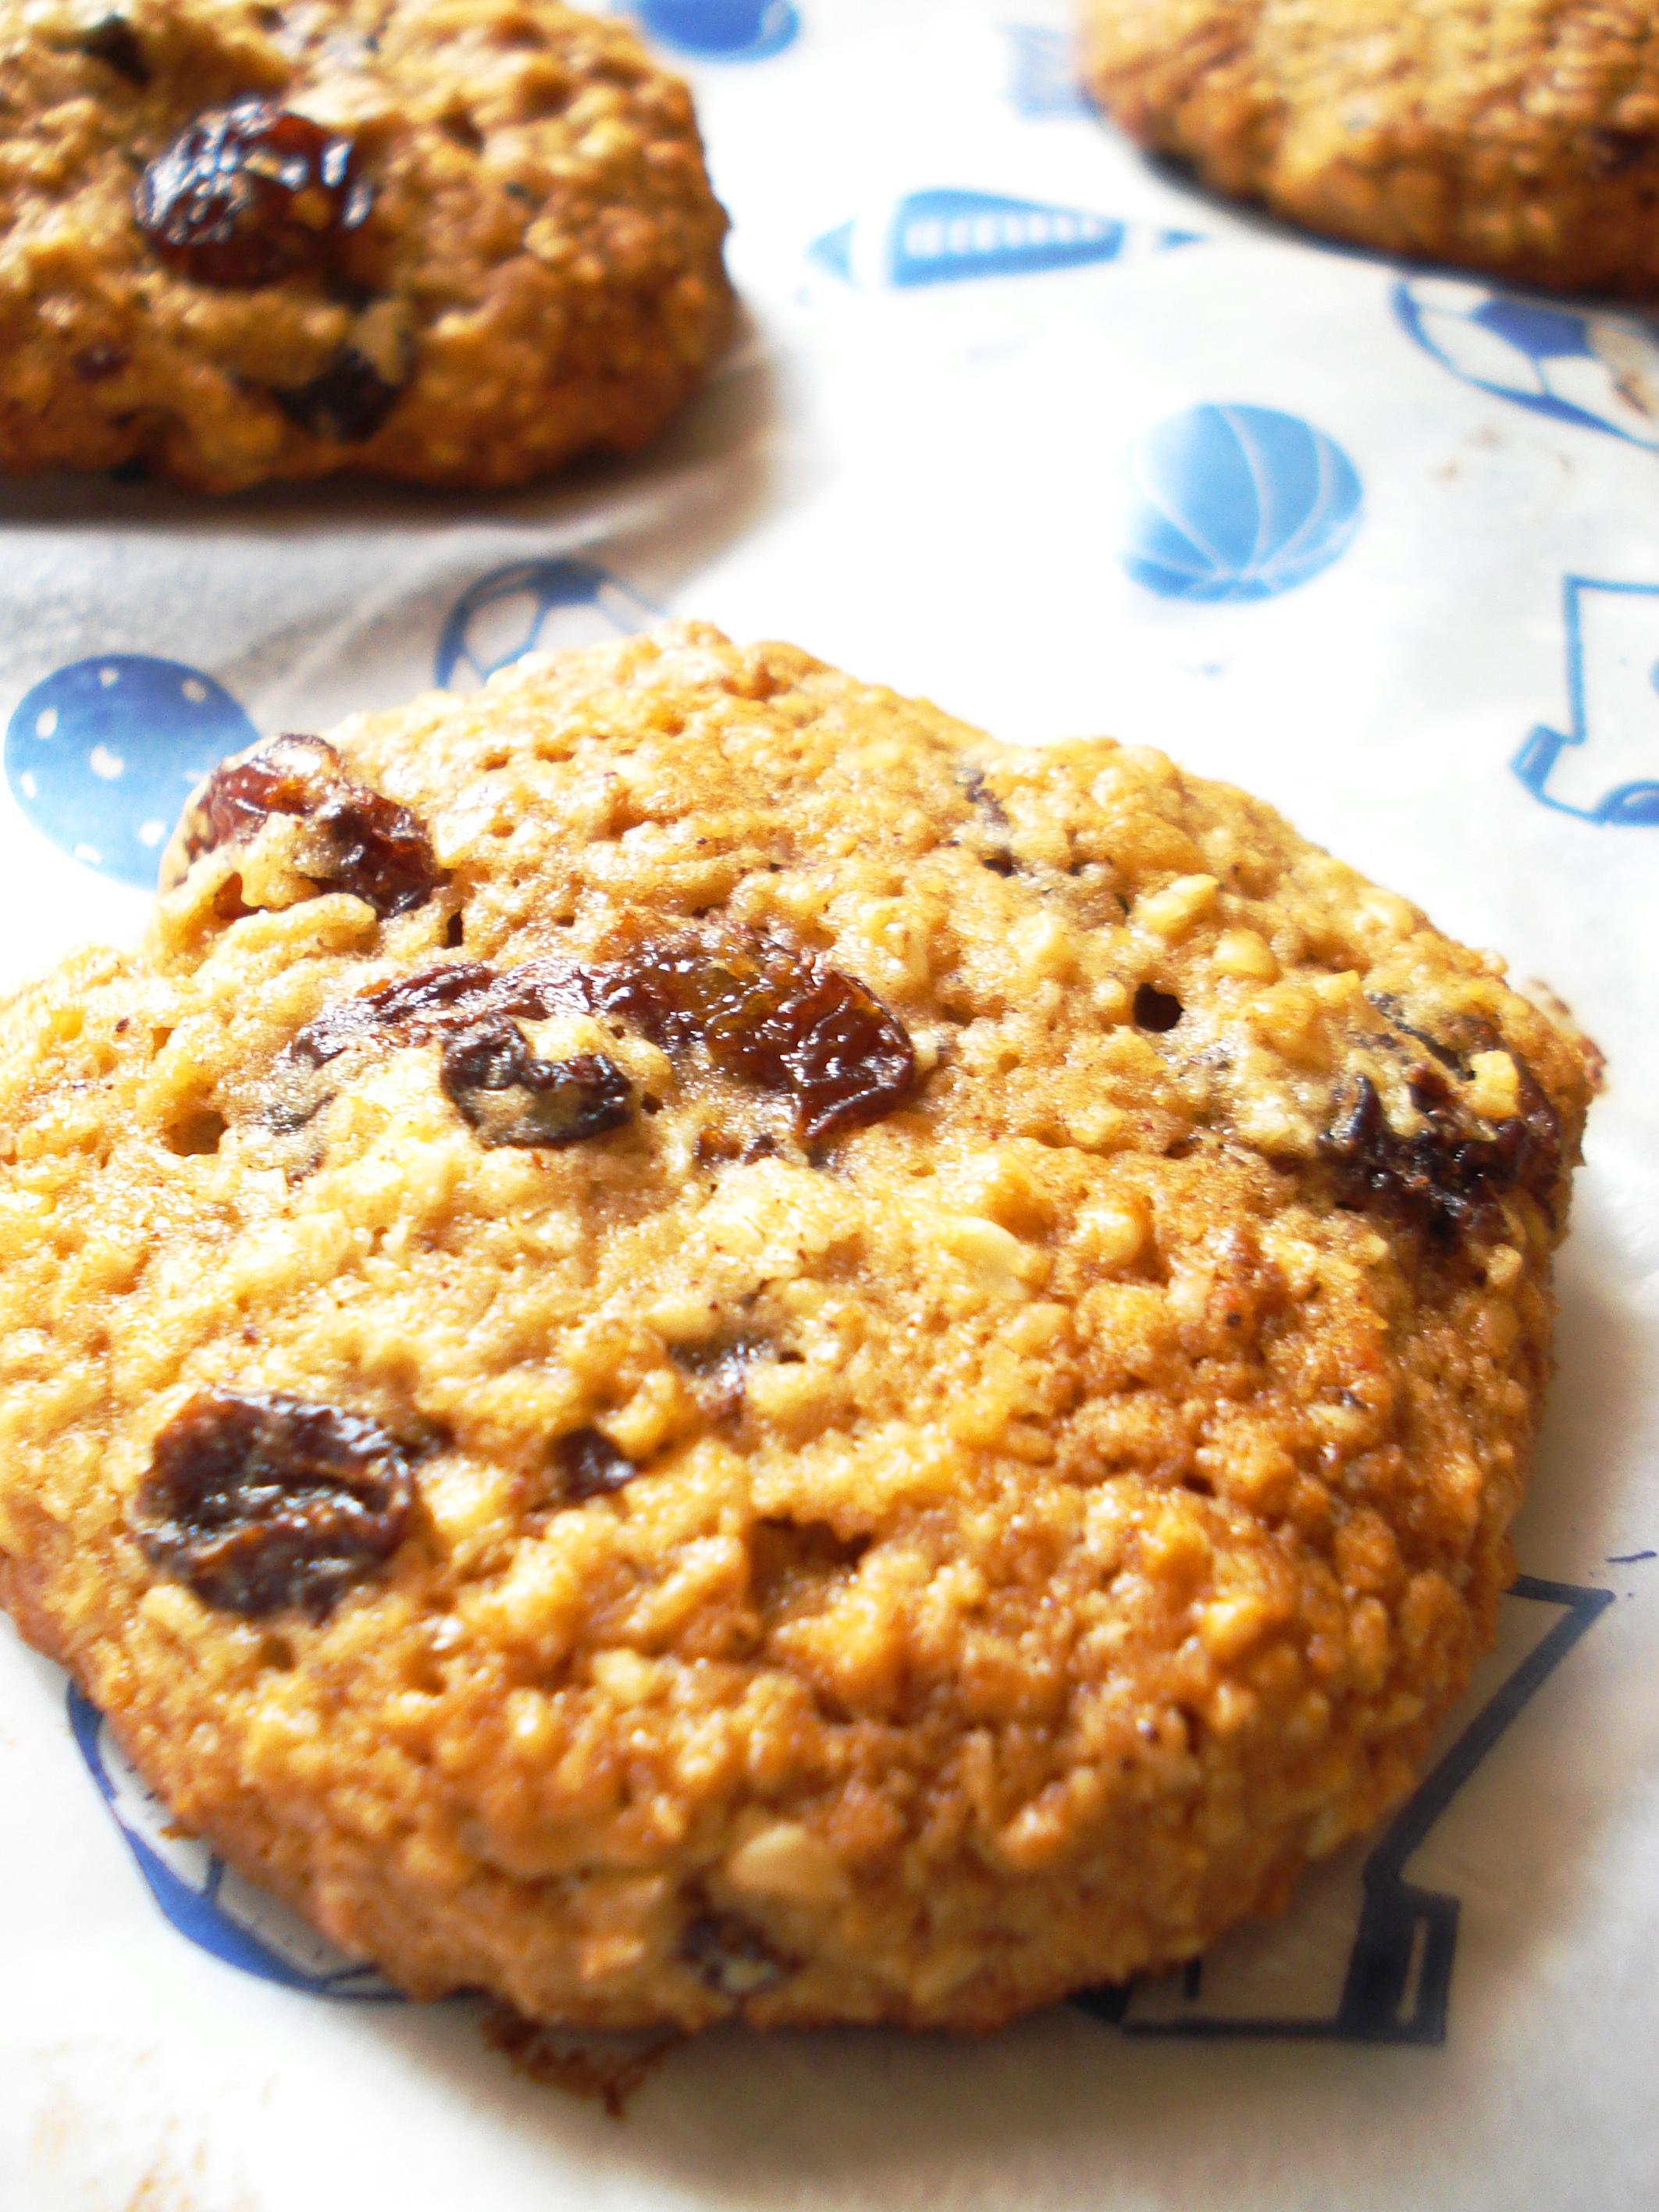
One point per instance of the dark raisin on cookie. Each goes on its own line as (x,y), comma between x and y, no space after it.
(113,41)
(249,193)
(411,1010)
(980,795)
(260,1504)
(347,401)
(778,1019)
(718,1365)
(494,1080)
(366,843)
(731,1957)
(1444,1174)
(590,1466)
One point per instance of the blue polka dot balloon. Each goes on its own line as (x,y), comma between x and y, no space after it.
(101,755)
(1236,503)
(722,30)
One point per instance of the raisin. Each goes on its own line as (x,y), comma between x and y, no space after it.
(113,41)
(1156,1010)
(494,1080)
(368,844)
(347,401)
(730,1957)
(264,1503)
(436,1003)
(779,1019)
(980,795)
(717,1367)
(249,193)
(1613,152)
(95,362)
(590,1465)
(1445,1173)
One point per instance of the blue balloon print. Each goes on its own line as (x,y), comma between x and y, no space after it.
(945,236)
(722,30)
(199,1894)
(1613,726)
(1598,371)
(1044,81)
(101,755)
(1236,503)
(532,607)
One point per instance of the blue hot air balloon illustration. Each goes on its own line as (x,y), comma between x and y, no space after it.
(722,30)
(1599,372)
(1236,503)
(101,755)
(946,236)
(204,1900)
(531,606)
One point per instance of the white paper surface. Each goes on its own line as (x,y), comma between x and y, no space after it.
(1380,545)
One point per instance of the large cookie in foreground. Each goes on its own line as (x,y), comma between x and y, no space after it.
(690,1341)
(1520,137)
(452,242)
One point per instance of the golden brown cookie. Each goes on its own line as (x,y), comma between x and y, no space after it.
(690,1341)
(1520,137)
(452,241)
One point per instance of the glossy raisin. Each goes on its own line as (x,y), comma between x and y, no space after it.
(764,1014)
(731,1957)
(1155,1010)
(347,401)
(366,843)
(436,1003)
(261,1504)
(1444,1174)
(590,1466)
(113,41)
(494,1080)
(777,1018)
(249,193)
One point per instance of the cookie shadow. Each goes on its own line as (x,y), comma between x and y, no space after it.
(711,471)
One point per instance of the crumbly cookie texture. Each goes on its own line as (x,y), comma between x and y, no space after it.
(1520,137)
(452,241)
(980,1445)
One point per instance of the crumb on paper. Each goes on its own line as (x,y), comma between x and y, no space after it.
(607,2070)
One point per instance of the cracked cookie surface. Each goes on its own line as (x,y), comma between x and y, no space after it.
(835,1372)
(1520,137)
(454,242)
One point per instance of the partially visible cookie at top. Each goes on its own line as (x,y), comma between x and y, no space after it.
(1519,137)
(454,242)
(690,1343)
